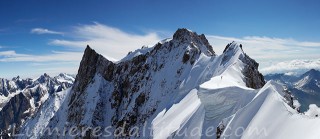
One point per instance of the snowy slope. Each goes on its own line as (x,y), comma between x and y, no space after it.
(268,116)
(218,98)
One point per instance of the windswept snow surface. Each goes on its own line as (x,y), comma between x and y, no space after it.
(169,121)
(267,116)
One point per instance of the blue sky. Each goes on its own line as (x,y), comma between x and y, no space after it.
(49,36)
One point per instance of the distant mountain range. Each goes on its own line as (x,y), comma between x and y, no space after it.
(305,87)
(20,98)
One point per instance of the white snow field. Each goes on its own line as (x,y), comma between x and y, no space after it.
(268,116)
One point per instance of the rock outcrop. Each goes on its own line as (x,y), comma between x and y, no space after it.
(13,114)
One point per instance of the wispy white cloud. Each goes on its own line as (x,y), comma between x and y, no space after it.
(8,54)
(12,56)
(269,51)
(44,31)
(109,41)
(298,66)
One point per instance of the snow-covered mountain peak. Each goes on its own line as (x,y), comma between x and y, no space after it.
(63,77)
(183,40)
(309,82)
(91,63)
(184,35)
(148,82)
(16,78)
(233,47)
(312,73)
(44,78)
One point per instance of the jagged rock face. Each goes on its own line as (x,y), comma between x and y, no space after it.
(91,64)
(133,80)
(86,73)
(13,114)
(21,98)
(254,79)
(185,35)
(10,86)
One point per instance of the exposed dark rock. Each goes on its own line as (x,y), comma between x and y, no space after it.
(225,49)
(87,69)
(253,78)
(185,58)
(184,35)
(140,99)
(13,113)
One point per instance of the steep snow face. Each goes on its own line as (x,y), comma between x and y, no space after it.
(169,121)
(152,85)
(268,116)
(222,93)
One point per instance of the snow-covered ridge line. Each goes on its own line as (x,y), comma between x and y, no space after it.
(149,88)
(268,116)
